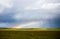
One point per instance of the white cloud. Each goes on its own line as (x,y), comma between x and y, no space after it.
(5,4)
(33,16)
(50,6)
(30,9)
(40,9)
(42,4)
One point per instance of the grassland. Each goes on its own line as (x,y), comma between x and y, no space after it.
(37,33)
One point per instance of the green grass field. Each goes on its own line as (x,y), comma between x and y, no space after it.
(29,33)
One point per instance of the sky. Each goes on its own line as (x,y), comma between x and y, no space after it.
(15,12)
